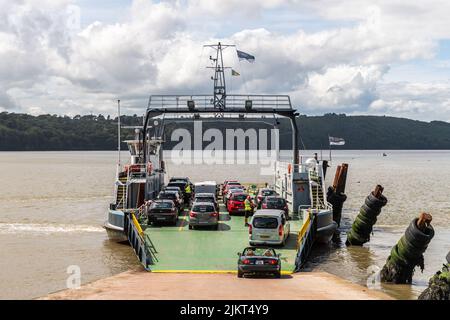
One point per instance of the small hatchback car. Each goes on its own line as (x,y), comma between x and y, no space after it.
(259,260)
(203,214)
(162,211)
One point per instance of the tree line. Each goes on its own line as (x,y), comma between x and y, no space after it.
(23,132)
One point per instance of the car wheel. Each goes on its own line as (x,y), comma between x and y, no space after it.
(278,275)
(190,227)
(240,274)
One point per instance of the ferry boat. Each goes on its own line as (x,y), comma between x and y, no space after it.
(177,248)
(136,181)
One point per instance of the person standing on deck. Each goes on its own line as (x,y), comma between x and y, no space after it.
(187,194)
(248,207)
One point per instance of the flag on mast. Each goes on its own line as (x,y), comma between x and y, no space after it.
(334,141)
(235,73)
(245,56)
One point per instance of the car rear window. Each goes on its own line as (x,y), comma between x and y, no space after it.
(205,199)
(276,201)
(161,205)
(180,185)
(203,208)
(239,197)
(259,251)
(267,192)
(265,222)
(167,195)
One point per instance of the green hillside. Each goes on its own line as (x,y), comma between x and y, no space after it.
(51,132)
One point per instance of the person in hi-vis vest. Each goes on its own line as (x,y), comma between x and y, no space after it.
(248,207)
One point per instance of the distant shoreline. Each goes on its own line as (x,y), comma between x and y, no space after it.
(22,132)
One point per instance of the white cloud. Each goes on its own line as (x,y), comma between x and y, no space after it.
(51,65)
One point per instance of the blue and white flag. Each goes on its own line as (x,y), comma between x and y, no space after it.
(334,141)
(245,56)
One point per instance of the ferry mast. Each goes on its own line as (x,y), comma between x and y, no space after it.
(220,91)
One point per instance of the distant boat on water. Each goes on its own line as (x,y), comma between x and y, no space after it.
(384,154)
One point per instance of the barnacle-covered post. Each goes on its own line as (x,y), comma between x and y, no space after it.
(408,252)
(367,217)
(335,194)
(439,284)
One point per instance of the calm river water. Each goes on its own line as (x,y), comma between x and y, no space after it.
(52,206)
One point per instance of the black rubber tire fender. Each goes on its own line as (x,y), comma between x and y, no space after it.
(416,237)
(374,202)
(365,209)
(396,257)
(407,250)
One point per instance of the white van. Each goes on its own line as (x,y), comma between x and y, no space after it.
(206,187)
(268,226)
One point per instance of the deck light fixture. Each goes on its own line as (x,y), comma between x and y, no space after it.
(248,105)
(191,105)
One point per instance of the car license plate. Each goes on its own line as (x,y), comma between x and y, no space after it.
(265,237)
(259,262)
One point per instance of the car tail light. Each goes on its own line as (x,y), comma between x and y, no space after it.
(192,214)
(246,261)
(264,205)
(280,230)
(273,261)
(214,214)
(250,229)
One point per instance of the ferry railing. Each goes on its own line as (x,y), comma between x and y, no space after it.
(305,238)
(137,240)
(205,102)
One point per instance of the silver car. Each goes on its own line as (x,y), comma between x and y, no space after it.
(203,214)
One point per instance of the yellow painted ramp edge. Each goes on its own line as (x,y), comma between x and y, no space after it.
(207,271)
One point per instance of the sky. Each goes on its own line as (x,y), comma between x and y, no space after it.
(378,57)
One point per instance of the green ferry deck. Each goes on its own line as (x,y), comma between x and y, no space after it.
(178,249)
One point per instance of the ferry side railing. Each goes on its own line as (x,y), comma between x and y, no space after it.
(140,242)
(305,238)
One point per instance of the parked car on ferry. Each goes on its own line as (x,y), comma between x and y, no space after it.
(268,227)
(262,193)
(226,182)
(206,187)
(231,190)
(230,185)
(174,188)
(235,203)
(206,197)
(163,210)
(172,195)
(203,214)
(258,261)
(275,202)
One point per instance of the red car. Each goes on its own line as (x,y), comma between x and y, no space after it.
(227,184)
(236,203)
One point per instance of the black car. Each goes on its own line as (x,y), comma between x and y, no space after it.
(173,188)
(172,195)
(275,202)
(162,211)
(259,260)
